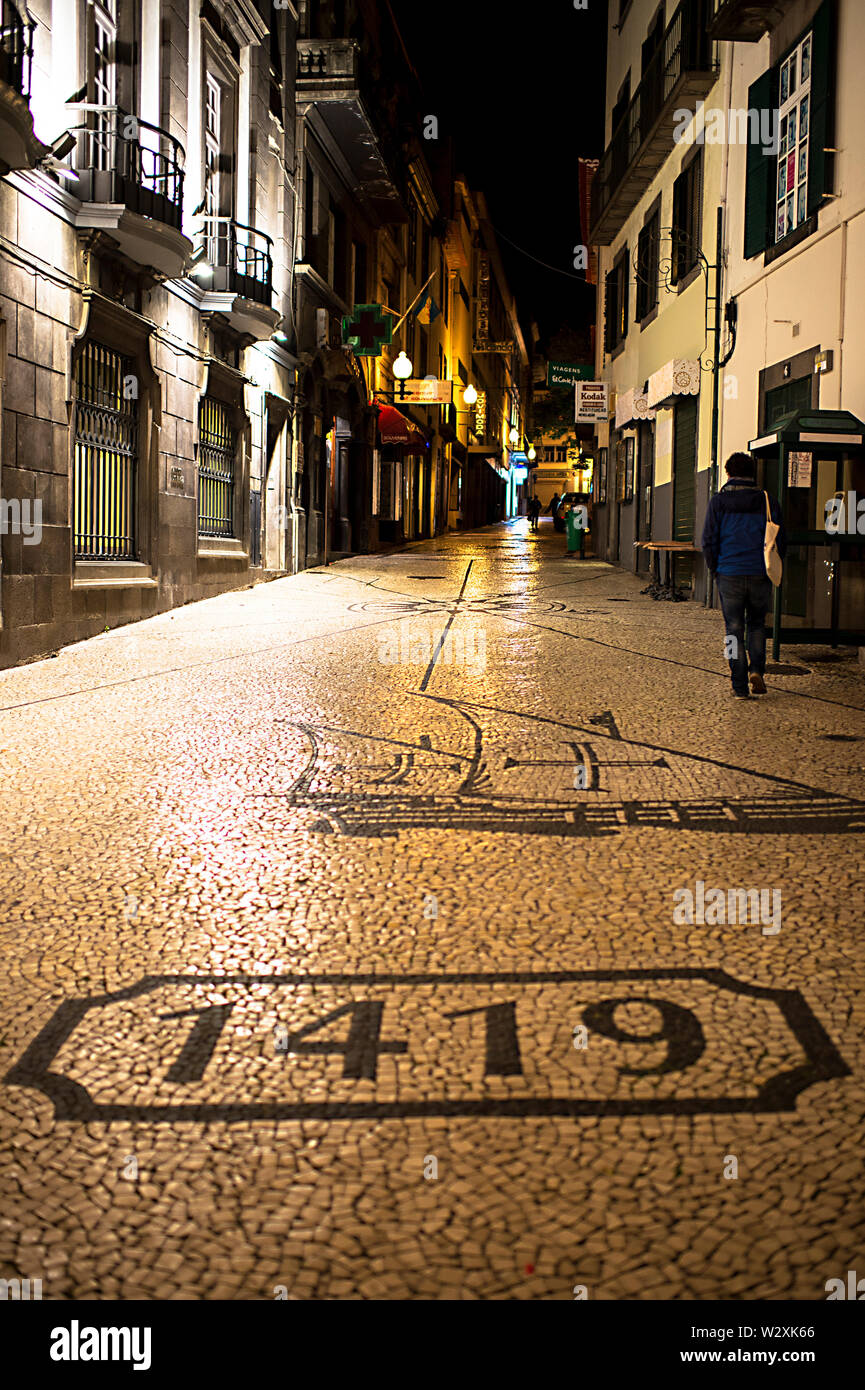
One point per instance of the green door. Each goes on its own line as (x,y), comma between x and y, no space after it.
(684,484)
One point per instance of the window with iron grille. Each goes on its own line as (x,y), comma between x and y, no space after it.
(687,219)
(106,449)
(217,451)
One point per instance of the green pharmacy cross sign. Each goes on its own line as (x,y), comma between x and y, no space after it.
(367,330)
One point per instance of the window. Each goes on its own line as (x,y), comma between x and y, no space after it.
(787,181)
(106,455)
(648,267)
(687,219)
(616,303)
(359,275)
(794,101)
(425,251)
(308,211)
(562,454)
(212,147)
(340,254)
(104,78)
(411,254)
(623,101)
(217,454)
(445,284)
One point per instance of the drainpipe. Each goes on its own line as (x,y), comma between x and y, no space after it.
(719,262)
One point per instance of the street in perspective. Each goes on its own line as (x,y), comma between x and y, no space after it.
(432,669)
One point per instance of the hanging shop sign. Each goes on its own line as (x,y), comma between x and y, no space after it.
(419,391)
(566,373)
(592,402)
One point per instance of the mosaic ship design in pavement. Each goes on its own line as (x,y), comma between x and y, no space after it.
(485,769)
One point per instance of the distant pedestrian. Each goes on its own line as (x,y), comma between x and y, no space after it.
(554,505)
(733,548)
(534,512)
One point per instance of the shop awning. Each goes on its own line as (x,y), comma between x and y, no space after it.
(836,428)
(632,405)
(394,428)
(678,377)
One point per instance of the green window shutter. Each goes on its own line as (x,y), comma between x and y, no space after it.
(610,311)
(626,291)
(760,170)
(822,87)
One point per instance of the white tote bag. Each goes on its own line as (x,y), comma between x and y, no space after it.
(774,568)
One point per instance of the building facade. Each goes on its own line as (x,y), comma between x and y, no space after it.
(728,213)
(146,267)
(222,223)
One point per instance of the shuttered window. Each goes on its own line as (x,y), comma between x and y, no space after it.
(687,219)
(217,450)
(647,268)
(785,188)
(106,450)
(617,287)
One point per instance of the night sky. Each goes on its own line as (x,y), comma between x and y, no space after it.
(522,91)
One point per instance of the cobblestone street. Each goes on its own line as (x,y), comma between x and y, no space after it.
(345,949)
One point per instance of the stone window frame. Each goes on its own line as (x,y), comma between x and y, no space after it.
(227,385)
(129,333)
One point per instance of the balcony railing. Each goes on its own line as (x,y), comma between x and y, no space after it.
(123,159)
(640,142)
(242,259)
(745,21)
(320,61)
(16,47)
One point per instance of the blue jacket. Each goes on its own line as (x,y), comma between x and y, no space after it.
(735,526)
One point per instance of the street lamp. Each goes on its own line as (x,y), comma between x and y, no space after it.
(514,436)
(402,370)
(470,395)
(532,454)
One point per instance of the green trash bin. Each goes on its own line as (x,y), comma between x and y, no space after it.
(575,530)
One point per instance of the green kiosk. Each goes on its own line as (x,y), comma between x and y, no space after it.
(814,462)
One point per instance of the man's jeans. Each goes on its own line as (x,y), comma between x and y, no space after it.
(745,600)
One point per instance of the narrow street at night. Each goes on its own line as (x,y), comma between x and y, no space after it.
(345,948)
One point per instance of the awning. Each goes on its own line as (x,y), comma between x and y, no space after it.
(678,377)
(836,428)
(632,405)
(394,428)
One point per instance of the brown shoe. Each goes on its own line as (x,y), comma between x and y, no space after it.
(758,685)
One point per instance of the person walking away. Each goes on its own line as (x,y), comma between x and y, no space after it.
(732,545)
(534,512)
(554,505)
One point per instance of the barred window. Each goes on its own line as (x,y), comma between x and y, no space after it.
(106,449)
(217,455)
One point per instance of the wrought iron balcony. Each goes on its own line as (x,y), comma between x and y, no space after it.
(16,46)
(241,257)
(241,286)
(334,87)
(19,148)
(123,159)
(678,74)
(745,21)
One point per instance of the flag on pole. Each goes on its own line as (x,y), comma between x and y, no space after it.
(427,311)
